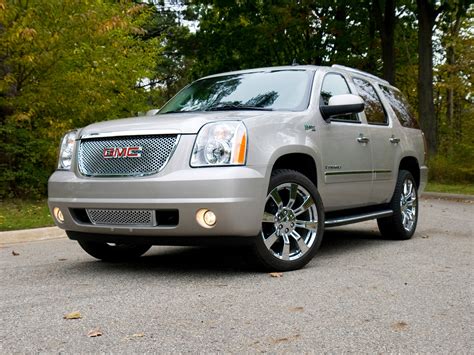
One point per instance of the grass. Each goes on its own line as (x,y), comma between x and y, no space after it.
(465,189)
(22,214)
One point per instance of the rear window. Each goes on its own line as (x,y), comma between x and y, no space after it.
(373,107)
(401,107)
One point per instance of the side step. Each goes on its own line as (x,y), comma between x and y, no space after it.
(342,220)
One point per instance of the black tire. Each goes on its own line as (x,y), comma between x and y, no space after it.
(293,255)
(113,252)
(395,226)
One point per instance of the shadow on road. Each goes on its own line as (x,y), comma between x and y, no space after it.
(336,242)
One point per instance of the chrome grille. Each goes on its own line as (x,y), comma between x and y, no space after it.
(156,151)
(122,217)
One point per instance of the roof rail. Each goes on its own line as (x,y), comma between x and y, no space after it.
(360,72)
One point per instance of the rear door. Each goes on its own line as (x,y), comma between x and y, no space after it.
(383,142)
(345,151)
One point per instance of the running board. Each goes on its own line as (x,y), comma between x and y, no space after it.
(340,221)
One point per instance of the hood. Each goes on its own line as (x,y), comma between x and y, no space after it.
(172,123)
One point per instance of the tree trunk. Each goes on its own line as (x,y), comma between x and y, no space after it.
(384,15)
(426,20)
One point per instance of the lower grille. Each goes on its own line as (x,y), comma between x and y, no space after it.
(122,217)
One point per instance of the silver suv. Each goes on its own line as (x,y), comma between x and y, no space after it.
(268,156)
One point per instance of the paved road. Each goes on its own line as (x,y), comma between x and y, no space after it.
(361,294)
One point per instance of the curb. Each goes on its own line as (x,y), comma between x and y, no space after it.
(30,235)
(446,196)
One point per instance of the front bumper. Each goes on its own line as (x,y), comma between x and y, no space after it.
(236,195)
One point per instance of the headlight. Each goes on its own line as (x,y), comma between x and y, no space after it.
(220,143)
(66,150)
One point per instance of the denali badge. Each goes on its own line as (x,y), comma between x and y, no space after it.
(122,152)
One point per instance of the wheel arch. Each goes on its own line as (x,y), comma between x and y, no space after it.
(300,161)
(411,164)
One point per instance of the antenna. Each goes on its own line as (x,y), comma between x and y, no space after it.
(294,62)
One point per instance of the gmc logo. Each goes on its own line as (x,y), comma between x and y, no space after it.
(122,152)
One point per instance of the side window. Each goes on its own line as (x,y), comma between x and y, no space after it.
(374,110)
(335,84)
(401,107)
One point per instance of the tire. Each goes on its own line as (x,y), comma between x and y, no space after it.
(113,252)
(402,224)
(292,224)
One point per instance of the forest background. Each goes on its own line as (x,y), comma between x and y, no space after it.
(68,63)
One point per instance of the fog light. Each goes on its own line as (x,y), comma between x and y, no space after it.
(206,218)
(57,213)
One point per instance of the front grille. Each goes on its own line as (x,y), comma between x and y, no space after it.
(155,152)
(122,217)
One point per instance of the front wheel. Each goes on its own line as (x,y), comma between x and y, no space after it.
(292,222)
(113,252)
(402,224)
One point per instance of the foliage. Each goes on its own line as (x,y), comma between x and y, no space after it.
(65,64)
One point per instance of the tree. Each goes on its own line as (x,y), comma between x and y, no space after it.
(64,64)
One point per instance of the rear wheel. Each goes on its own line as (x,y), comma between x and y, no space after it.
(114,252)
(292,222)
(402,224)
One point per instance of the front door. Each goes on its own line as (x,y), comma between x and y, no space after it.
(346,153)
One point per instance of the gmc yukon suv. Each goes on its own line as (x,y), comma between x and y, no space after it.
(271,156)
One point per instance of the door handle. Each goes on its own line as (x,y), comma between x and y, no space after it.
(394,140)
(362,139)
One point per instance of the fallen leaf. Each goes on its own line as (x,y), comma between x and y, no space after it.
(14,253)
(296,309)
(425,236)
(62,259)
(94,333)
(138,335)
(399,326)
(284,340)
(276,274)
(73,315)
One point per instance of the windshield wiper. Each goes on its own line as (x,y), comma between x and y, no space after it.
(232,107)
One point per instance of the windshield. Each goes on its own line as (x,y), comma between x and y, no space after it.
(281,90)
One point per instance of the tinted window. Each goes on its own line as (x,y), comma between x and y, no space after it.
(373,107)
(335,84)
(401,107)
(276,90)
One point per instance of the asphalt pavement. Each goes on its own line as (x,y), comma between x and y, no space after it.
(360,293)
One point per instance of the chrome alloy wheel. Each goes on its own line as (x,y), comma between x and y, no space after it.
(408,204)
(290,221)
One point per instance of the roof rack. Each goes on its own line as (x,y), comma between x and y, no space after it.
(360,72)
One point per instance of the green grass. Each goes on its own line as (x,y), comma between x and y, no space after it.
(464,189)
(21,214)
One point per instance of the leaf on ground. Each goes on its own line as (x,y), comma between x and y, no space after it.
(399,326)
(73,315)
(276,274)
(62,259)
(296,309)
(94,333)
(138,335)
(14,253)
(286,339)
(425,236)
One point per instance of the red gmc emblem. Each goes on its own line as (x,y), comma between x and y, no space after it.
(122,152)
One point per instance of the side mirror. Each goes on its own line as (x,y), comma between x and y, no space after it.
(342,105)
